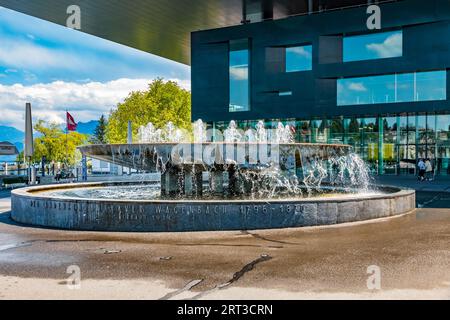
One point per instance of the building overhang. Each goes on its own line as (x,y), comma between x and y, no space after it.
(163,27)
(159,27)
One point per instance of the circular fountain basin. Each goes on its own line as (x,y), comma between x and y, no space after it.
(59,206)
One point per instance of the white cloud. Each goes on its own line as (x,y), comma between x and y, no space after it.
(391,47)
(185,84)
(29,76)
(300,51)
(86,101)
(357,86)
(239,73)
(22,54)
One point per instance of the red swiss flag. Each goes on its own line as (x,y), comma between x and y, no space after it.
(71,124)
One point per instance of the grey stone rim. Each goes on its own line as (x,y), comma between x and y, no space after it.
(30,206)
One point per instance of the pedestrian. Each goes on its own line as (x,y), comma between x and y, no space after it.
(428,170)
(58,175)
(421,167)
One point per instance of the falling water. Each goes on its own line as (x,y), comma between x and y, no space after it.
(232,134)
(199,131)
(322,167)
(261,132)
(149,134)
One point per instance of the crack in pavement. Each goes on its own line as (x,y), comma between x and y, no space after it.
(219,245)
(436,197)
(31,242)
(15,245)
(423,204)
(76,240)
(187,287)
(247,268)
(257,236)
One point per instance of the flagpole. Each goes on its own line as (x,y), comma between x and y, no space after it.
(67,130)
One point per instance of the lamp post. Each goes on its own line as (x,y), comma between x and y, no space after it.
(130,138)
(29,148)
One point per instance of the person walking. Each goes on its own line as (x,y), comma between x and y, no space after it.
(421,167)
(428,170)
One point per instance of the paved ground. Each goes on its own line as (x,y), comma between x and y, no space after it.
(439,183)
(412,252)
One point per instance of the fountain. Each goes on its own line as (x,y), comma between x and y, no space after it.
(254,179)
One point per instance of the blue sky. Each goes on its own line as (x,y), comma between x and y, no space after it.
(373,46)
(55,68)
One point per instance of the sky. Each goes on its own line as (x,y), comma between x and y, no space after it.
(57,68)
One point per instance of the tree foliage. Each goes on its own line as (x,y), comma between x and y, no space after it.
(53,144)
(99,136)
(161,103)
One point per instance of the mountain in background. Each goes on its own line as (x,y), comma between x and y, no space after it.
(87,127)
(11,134)
(84,127)
(17,137)
(14,136)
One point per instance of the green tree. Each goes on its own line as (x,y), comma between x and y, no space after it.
(161,103)
(54,144)
(99,136)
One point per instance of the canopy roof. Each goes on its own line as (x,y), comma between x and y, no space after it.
(163,27)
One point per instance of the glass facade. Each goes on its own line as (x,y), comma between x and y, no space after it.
(373,46)
(392,88)
(239,62)
(389,144)
(298,58)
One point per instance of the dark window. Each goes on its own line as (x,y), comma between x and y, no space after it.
(239,76)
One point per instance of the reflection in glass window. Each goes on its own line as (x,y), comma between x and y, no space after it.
(303,131)
(298,58)
(390,130)
(431,129)
(403,129)
(443,127)
(405,87)
(373,46)
(429,85)
(422,129)
(412,125)
(394,88)
(336,127)
(239,76)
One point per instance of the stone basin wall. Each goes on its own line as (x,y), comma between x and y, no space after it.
(31,206)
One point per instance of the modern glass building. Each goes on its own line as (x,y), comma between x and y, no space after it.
(322,71)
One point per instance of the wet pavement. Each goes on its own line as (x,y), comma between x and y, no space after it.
(437,184)
(412,252)
(433,200)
